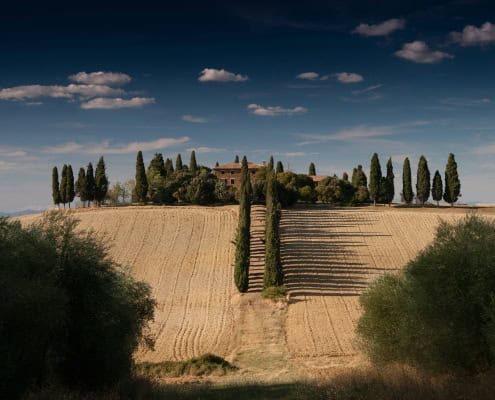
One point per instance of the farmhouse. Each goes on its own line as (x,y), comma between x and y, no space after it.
(231,173)
(318,178)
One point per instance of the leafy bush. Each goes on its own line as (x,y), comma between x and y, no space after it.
(440,313)
(334,190)
(274,292)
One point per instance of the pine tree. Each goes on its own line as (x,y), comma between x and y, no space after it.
(169,167)
(271,164)
(312,170)
(452,182)
(390,189)
(280,167)
(437,187)
(63,186)
(70,194)
(236,159)
(141,189)
(81,186)
(359,177)
(407,192)
(90,184)
(193,166)
(101,181)
(178,163)
(242,253)
(345,177)
(375,178)
(423,181)
(55,187)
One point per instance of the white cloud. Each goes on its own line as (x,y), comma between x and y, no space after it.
(311,76)
(101,78)
(473,36)
(292,154)
(7,166)
(383,29)
(220,75)
(419,52)
(57,91)
(204,150)
(366,90)
(348,77)
(102,103)
(194,120)
(486,149)
(11,152)
(272,111)
(463,102)
(106,147)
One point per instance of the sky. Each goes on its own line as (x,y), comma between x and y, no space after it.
(329,82)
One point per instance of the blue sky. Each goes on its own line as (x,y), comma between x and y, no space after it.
(324,81)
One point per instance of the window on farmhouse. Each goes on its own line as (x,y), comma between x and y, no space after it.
(232,181)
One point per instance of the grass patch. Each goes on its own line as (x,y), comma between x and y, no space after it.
(208,364)
(274,292)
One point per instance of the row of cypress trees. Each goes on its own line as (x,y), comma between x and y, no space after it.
(63,192)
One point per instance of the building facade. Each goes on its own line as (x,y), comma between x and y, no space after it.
(230,173)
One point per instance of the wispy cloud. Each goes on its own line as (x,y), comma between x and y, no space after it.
(291,154)
(101,78)
(194,120)
(102,103)
(366,90)
(474,36)
(272,111)
(485,149)
(419,52)
(205,150)
(348,77)
(383,29)
(312,76)
(12,152)
(106,147)
(465,102)
(220,75)
(7,165)
(57,91)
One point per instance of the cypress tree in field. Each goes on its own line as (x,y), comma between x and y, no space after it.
(193,166)
(437,187)
(375,178)
(141,188)
(169,167)
(359,177)
(452,182)
(63,186)
(178,163)
(55,187)
(345,177)
(390,187)
(81,186)
(70,194)
(236,159)
(90,184)
(280,167)
(407,192)
(271,164)
(423,181)
(312,170)
(242,251)
(217,164)
(101,181)
(157,166)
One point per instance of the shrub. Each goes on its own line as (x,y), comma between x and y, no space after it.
(274,292)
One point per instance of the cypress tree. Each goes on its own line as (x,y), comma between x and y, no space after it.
(236,159)
(407,192)
(90,184)
(345,177)
(63,186)
(423,181)
(193,166)
(271,164)
(55,187)
(101,181)
(437,187)
(312,170)
(178,163)
(169,167)
(273,275)
(81,186)
(70,194)
(280,167)
(141,188)
(217,164)
(452,182)
(390,189)
(242,252)
(155,175)
(375,178)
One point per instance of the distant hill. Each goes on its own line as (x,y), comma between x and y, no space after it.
(19,213)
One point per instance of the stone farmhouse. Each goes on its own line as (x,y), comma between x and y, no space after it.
(230,173)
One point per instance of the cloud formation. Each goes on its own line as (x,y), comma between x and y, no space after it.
(366,90)
(220,75)
(419,52)
(204,150)
(473,36)
(194,120)
(348,77)
(11,152)
(57,91)
(465,102)
(312,76)
(101,78)
(272,111)
(104,103)
(383,29)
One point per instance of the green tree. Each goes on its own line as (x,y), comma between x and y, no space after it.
(345,177)
(280,167)
(423,181)
(156,175)
(63,186)
(359,177)
(101,181)
(407,192)
(193,166)
(169,167)
(217,164)
(55,188)
(90,184)
(178,163)
(70,194)
(271,164)
(437,187)
(312,170)
(141,187)
(242,253)
(452,182)
(236,159)
(389,182)
(375,178)
(81,186)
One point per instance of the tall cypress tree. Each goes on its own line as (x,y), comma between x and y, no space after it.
(169,167)
(312,170)
(70,194)
(178,163)
(193,166)
(90,184)
(375,178)
(242,252)
(423,181)
(141,188)
(217,164)
(280,167)
(273,275)
(437,187)
(407,192)
(345,177)
(81,186)
(452,182)
(63,186)
(390,187)
(55,187)
(101,181)
(236,159)
(271,165)
(359,177)
(155,175)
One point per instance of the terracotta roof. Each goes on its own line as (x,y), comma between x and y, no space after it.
(318,178)
(251,165)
